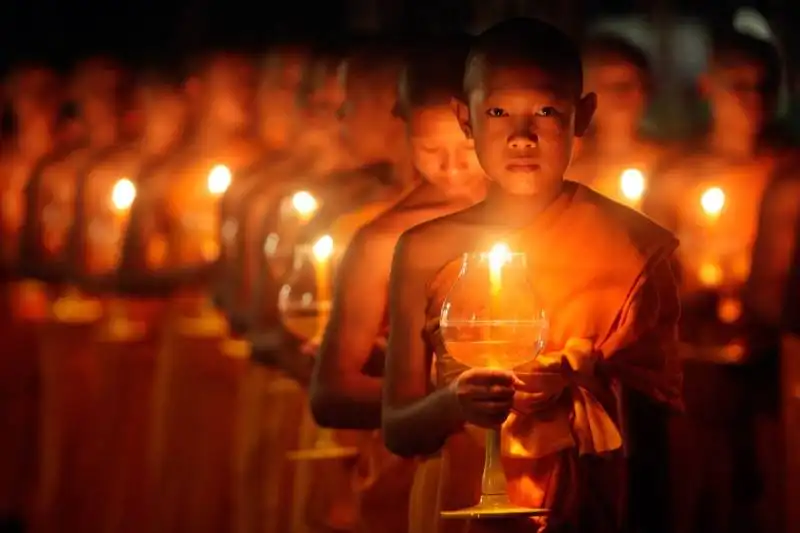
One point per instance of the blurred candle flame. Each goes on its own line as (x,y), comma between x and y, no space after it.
(632,184)
(713,201)
(123,194)
(323,248)
(304,204)
(219,179)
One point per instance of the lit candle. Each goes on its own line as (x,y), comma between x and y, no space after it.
(632,185)
(305,205)
(219,179)
(713,202)
(323,250)
(498,256)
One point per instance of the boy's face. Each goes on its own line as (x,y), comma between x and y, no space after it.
(737,96)
(367,122)
(441,152)
(621,95)
(230,91)
(36,95)
(524,120)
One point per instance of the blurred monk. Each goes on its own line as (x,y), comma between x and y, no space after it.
(710,197)
(770,304)
(346,389)
(601,272)
(277,116)
(131,326)
(35,95)
(196,385)
(349,197)
(70,373)
(615,158)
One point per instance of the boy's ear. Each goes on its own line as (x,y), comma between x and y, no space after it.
(584,113)
(461,110)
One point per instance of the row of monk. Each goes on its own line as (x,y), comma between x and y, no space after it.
(249,303)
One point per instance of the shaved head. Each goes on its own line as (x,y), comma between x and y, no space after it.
(522,42)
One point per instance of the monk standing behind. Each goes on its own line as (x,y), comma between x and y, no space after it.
(771,304)
(347,383)
(710,197)
(615,158)
(35,99)
(601,271)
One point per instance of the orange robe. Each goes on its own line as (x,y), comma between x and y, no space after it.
(602,273)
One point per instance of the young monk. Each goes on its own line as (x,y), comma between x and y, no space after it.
(277,119)
(128,334)
(710,198)
(615,158)
(196,384)
(360,193)
(346,388)
(70,381)
(35,97)
(601,272)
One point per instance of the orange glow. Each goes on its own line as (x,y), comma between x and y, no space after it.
(304,204)
(710,275)
(713,202)
(632,184)
(123,194)
(219,179)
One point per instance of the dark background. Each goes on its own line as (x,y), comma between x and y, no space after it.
(60,30)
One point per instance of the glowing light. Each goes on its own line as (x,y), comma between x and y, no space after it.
(219,179)
(323,248)
(713,201)
(632,184)
(710,275)
(304,203)
(123,194)
(499,255)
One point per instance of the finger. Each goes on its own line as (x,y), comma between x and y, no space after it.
(489,376)
(482,393)
(493,406)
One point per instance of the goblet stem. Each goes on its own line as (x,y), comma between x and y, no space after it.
(494,477)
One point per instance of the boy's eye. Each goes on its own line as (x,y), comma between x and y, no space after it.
(547,112)
(496,112)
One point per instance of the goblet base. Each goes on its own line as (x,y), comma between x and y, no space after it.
(493,506)
(318,454)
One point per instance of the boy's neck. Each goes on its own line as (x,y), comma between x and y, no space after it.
(36,139)
(618,141)
(516,209)
(730,144)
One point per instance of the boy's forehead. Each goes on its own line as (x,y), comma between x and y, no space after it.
(524,77)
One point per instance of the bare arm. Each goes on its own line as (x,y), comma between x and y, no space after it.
(342,395)
(773,249)
(416,421)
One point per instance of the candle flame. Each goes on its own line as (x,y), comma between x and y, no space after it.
(499,255)
(323,248)
(123,194)
(632,184)
(304,204)
(710,275)
(219,179)
(713,201)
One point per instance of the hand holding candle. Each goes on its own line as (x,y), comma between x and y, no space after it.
(491,322)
